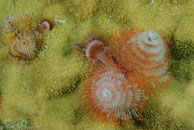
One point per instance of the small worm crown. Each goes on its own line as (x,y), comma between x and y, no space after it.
(24,48)
(15,25)
(22,36)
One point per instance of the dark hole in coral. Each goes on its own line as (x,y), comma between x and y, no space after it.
(138,123)
(181,50)
(18,31)
(73,87)
(77,116)
(66,90)
(182,56)
(66,50)
(149,39)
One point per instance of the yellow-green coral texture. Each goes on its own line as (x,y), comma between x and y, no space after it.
(48,91)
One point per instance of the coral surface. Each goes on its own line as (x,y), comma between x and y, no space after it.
(47,94)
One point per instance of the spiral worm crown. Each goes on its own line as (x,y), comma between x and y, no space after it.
(113,95)
(22,36)
(143,52)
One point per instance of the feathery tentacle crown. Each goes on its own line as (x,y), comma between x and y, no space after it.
(22,35)
(145,53)
(24,48)
(121,93)
(113,94)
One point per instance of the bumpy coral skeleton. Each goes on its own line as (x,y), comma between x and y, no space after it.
(24,86)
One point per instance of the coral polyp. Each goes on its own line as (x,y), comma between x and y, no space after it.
(113,94)
(144,52)
(24,48)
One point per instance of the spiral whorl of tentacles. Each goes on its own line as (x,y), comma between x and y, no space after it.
(144,52)
(113,93)
(22,35)
(124,74)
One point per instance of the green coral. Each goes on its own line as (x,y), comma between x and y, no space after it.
(182,61)
(181,50)
(48,91)
(171,109)
(56,79)
(183,69)
(17,124)
(80,10)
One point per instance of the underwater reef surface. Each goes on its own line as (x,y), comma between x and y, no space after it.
(46,94)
